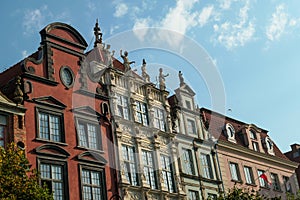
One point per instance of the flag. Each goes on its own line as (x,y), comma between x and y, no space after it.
(264,176)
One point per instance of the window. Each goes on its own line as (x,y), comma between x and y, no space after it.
(89,135)
(3,127)
(92,183)
(187,161)
(275,182)
(206,166)
(235,173)
(255,146)
(67,76)
(191,127)
(252,135)
(129,164)
(52,175)
(249,175)
(211,196)
(159,121)
(287,184)
(50,126)
(141,113)
(122,107)
(149,169)
(167,173)
(262,182)
(188,104)
(193,195)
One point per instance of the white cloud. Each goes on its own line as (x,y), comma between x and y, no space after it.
(140,28)
(277,24)
(121,10)
(205,15)
(24,54)
(180,18)
(236,34)
(226,4)
(293,22)
(33,20)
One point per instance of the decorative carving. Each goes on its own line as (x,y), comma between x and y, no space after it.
(98,34)
(49,63)
(83,74)
(18,94)
(181,79)
(126,62)
(144,72)
(162,84)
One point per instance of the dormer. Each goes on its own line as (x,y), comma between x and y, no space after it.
(268,145)
(229,132)
(253,135)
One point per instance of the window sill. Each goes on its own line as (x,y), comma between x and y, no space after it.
(87,149)
(237,181)
(50,141)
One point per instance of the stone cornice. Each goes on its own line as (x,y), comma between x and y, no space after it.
(250,153)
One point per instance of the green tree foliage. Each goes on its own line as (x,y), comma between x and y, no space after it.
(237,193)
(17,181)
(240,194)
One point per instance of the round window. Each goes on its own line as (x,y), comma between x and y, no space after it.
(67,76)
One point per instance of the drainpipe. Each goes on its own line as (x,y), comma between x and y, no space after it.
(217,166)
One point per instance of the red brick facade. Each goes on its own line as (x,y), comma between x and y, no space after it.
(68,132)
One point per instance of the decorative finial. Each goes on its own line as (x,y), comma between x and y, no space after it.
(98,34)
(126,62)
(181,79)
(161,77)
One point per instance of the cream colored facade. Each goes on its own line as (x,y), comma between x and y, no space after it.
(144,141)
(197,156)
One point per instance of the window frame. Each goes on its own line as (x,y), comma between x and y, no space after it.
(275,182)
(237,172)
(206,166)
(193,195)
(167,173)
(102,184)
(64,167)
(80,121)
(255,146)
(191,126)
(120,103)
(48,112)
(262,182)
(5,130)
(159,119)
(286,180)
(188,161)
(142,115)
(149,166)
(129,162)
(249,177)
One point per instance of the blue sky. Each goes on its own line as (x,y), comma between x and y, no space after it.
(253,44)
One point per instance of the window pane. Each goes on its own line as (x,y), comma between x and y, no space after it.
(248,175)
(89,136)
(3,120)
(91,181)
(82,136)
(44,129)
(234,171)
(52,175)
(129,164)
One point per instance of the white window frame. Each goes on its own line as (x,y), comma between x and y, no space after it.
(206,166)
(130,167)
(188,162)
(249,175)
(191,127)
(149,172)
(159,119)
(167,173)
(123,107)
(142,113)
(235,172)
